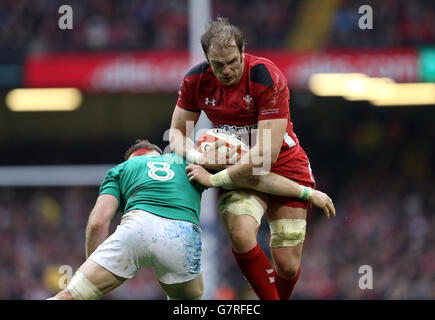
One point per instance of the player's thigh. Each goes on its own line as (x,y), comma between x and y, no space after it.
(192,289)
(277,210)
(100,277)
(176,251)
(242,209)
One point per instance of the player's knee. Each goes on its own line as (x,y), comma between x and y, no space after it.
(193,293)
(287,269)
(235,204)
(287,232)
(242,232)
(197,294)
(240,242)
(290,234)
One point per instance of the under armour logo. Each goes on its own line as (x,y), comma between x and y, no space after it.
(213,102)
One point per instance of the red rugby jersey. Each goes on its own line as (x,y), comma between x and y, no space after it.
(260,94)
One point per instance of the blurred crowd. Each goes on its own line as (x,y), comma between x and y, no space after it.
(97,25)
(381,227)
(153,24)
(133,24)
(396,23)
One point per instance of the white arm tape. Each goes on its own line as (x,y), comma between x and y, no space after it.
(221,179)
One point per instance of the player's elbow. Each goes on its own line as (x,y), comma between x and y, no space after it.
(275,149)
(97,226)
(98,222)
(266,157)
(274,157)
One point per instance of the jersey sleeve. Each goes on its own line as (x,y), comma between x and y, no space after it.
(110,184)
(186,95)
(187,91)
(271,93)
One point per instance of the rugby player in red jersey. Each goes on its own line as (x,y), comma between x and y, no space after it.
(243,93)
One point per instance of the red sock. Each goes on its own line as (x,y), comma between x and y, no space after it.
(257,269)
(285,287)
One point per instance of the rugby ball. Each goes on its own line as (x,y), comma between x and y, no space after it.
(211,136)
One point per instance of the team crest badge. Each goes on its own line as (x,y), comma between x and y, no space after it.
(248,102)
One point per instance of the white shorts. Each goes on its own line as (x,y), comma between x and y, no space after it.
(171,247)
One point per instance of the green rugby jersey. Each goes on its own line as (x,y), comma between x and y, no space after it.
(156,184)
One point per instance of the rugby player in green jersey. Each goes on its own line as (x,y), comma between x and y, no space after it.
(159,228)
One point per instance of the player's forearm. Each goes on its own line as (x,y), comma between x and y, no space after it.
(257,161)
(274,184)
(97,230)
(243,173)
(265,152)
(270,183)
(95,235)
(182,145)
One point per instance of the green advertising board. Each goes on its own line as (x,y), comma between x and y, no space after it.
(427,64)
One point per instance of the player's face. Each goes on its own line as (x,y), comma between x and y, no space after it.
(226,63)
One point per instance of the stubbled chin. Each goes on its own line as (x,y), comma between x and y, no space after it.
(228,83)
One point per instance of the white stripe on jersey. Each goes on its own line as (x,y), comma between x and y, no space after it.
(289,140)
(311,172)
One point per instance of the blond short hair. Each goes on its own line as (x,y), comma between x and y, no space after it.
(220,32)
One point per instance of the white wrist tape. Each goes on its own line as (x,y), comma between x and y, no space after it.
(221,179)
(306,193)
(193,156)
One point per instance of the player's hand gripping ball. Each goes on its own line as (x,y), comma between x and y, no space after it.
(229,143)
